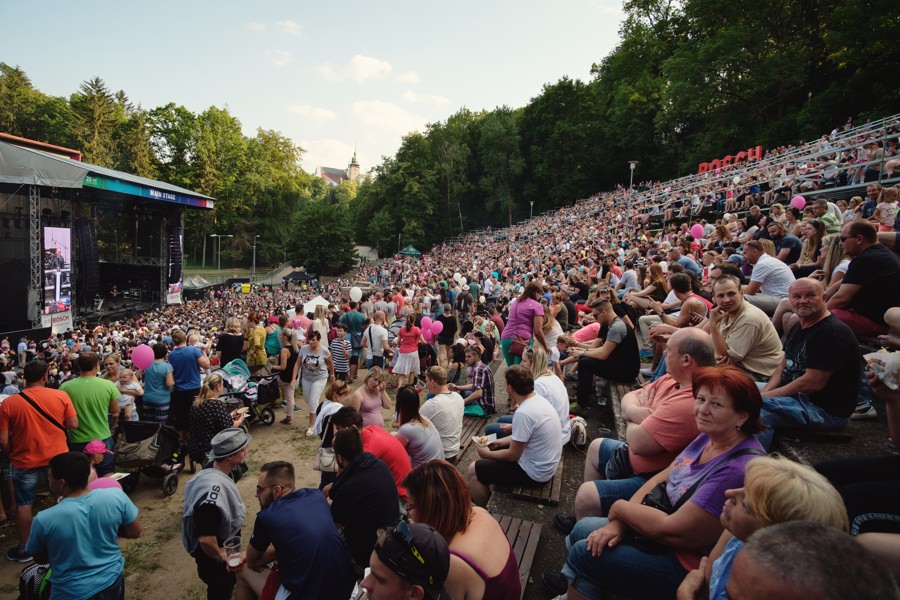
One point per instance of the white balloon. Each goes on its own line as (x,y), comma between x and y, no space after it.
(456,277)
(482,299)
(355,294)
(463,281)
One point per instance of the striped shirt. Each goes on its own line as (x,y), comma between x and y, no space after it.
(341,362)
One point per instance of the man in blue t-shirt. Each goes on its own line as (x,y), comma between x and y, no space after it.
(295,527)
(79,535)
(787,246)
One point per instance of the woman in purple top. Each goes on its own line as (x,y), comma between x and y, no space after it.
(525,322)
(603,556)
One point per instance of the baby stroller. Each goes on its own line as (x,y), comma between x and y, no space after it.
(149,448)
(257,393)
(427,358)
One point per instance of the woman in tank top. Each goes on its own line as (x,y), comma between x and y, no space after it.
(370,398)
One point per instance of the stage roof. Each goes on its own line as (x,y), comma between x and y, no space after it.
(25,166)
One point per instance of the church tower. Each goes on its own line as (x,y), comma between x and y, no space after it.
(353,170)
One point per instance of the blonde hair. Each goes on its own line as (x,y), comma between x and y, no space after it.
(288,334)
(538,359)
(213,380)
(232,325)
(780,490)
(768,246)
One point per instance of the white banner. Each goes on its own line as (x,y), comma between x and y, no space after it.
(173,297)
(58,322)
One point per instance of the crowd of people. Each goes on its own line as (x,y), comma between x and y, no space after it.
(747,323)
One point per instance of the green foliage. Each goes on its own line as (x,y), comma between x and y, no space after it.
(322,239)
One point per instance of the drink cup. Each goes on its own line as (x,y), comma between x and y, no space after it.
(233,556)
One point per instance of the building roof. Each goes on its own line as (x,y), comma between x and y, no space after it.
(331,175)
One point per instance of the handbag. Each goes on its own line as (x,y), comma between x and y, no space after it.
(137,454)
(658,498)
(517,348)
(325,462)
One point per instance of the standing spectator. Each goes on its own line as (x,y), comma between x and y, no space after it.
(230,343)
(214,512)
(355,322)
(32,431)
(78,536)
(186,363)
(295,526)
(316,369)
(447,335)
(96,403)
(254,345)
(340,353)
(22,352)
(375,338)
(525,323)
(287,369)
(158,383)
(409,337)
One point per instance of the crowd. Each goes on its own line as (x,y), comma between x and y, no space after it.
(750,326)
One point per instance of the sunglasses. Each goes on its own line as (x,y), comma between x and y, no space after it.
(402,533)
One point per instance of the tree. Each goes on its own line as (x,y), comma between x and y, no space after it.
(501,160)
(97,116)
(323,240)
(16,99)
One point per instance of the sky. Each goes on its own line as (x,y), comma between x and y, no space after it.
(332,76)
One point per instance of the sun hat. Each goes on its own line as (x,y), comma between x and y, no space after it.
(96,447)
(228,441)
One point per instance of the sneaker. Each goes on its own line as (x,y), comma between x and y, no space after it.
(20,556)
(297,409)
(555,581)
(564,523)
(864,412)
(648,372)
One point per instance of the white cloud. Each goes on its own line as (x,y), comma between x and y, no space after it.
(279,58)
(326,153)
(254,26)
(313,113)
(407,77)
(384,120)
(359,69)
(411,96)
(290,27)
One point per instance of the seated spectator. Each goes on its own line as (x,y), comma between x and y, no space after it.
(799,560)
(444,409)
(209,415)
(769,281)
(410,560)
(364,496)
(478,395)
(675,256)
(660,424)
(530,455)
(776,490)
(482,563)
(615,554)
(295,527)
(377,441)
(871,285)
(743,335)
(830,217)
(787,245)
(817,385)
(416,433)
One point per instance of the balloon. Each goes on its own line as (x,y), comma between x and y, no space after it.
(482,299)
(697,231)
(456,277)
(355,294)
(142,357)
(426,323)
(463,281)
(736,179)
(798,202)
(437,327)
(429,337)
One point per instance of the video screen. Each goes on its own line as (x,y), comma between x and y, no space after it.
(57,270)
(174,276)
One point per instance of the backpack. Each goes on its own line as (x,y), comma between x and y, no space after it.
(34,582)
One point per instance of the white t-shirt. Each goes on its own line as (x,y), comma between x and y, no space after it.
(375,336)
(445,411)
(775,276)
(536,424)
(554,391)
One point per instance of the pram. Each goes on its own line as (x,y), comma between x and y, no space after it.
(257,392)
(149,448)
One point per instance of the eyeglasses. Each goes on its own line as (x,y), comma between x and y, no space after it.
(259,488)
(403,534)
(844,238)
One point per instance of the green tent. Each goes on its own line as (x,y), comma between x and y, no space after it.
(411,251)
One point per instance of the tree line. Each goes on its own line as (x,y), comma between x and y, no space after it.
(688,81)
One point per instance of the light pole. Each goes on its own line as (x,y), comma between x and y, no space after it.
(631,165)
(398,243)
(531,213)
(253,268)
(219,237)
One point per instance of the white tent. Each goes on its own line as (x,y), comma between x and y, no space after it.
(310,307)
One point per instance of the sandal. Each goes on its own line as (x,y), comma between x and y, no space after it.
(285,421)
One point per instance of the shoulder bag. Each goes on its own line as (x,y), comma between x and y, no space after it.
(42,412)
(325,460)
(519,343)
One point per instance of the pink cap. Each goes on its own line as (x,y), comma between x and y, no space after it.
(96,447)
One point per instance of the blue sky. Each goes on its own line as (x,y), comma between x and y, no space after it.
(329,75)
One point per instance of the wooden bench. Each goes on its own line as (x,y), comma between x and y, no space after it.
(547,493)
(523,536)
(472,426)
(841,436)
(617,391)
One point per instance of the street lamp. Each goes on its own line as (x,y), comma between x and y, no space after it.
(219,237)
(253,268)
(398,243)
(531,213)
(631,165)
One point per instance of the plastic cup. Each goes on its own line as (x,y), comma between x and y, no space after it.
(233,555)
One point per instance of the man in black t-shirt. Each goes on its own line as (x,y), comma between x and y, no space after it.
(818,383)
(871,285)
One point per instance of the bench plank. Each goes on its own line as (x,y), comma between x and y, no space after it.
(471,426)
(523,537)
(548,493)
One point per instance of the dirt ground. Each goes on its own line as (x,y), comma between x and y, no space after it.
(156,565)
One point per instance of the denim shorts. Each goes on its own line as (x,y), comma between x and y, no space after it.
(24,484)
(611,490)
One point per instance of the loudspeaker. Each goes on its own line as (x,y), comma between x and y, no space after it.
(176,240)
(87,261)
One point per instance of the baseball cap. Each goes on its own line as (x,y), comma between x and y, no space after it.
(418,554)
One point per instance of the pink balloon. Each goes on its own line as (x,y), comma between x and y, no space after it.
(426,323)
(798,202)
(142,357)
(437,327)
(429,337)
(697,231)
